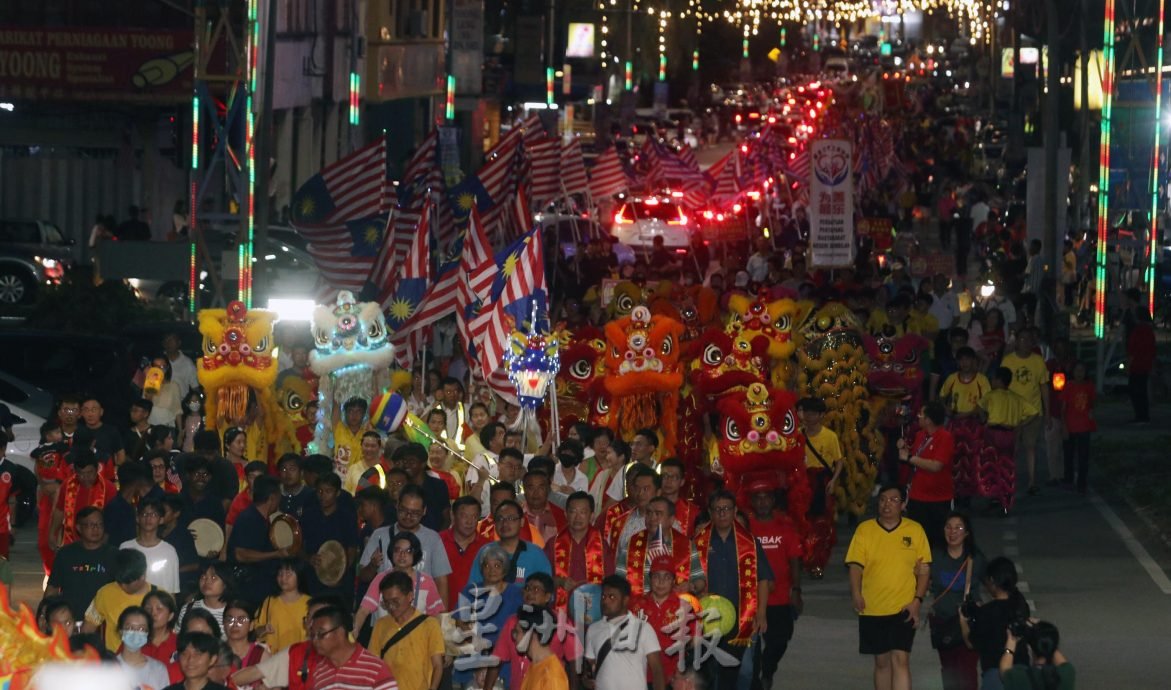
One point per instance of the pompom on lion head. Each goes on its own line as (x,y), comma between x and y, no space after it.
(349,332)
(776,320)
(896,364)
(642,354)
(725,361)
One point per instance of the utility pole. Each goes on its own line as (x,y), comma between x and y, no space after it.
(264,146)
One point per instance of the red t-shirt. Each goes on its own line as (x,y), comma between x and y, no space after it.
(659,616)
(1077,402)
(239,503)
(361,670)
(933,486)
(167,654)
(780,542)
(461,560)
(6,489)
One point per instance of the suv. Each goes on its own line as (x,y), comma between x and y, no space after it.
(639,220)
(32,253)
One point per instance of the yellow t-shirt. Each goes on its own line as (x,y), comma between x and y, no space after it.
(925,324)
(1028,375)
(347,447)
(965,397)
(547,674)
(888,564)
(410,658)
(287,620)
(107,605)
(1006,408)
(826,442)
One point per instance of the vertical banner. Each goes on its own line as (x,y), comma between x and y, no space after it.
(449,155)
(831,216)
(467,45)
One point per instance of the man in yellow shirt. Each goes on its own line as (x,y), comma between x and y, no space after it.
(823,450)
(410,642)
(128,589)
(1030,380)
(889,562)
(347,435)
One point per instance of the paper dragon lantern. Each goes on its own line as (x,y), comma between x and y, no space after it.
(352,356)
(24,649)
(533,361)
(759,440)
(643,375)
(239,367)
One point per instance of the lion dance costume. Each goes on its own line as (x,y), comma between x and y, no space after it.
(643,375)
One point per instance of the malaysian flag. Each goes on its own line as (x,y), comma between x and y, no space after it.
(797,167)
(519,286)
(485,190)
(688,157)
(607,177)
(545,162)
(402,299)
(421,178)
(573,172)
(339,213)
(476,274)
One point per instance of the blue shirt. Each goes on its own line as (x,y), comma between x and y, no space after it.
(251,532)
(723,577)
(490,617)
(531,560)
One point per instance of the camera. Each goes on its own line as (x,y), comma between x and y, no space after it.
(1021,628)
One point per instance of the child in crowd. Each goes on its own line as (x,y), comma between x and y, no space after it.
(1002,411)
(279,622)
(961,394)
(1077,411)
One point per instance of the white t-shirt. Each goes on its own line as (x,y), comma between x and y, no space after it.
(162,564)
(183,374)
(945,308)
(484,462)
(625,665)
(218,614)
(151,676)
(580,481)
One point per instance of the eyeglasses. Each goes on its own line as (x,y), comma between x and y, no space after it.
(890,499)
(321,634)
(237,620)
(410,513)
(723,510)
(507,518)
(135,628)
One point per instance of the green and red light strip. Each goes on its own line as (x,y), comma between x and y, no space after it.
(1104,172)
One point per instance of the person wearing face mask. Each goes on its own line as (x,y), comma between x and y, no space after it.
(134,630)
(569,477)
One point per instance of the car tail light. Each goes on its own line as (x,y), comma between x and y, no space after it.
(792,140)
(812,114)
(719,217)
(754,195)
(772,120)
(708,215)
(753,116)
(681,220)
(621,218)
(680,251)
(737,118)
(676,195)
(736,208)
(651,202)
(743,148)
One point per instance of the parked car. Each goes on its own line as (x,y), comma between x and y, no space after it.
(641,219)
(32,253)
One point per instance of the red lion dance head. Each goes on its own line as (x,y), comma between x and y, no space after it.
(580,376)
(725,361)
(759,440)
(643,376)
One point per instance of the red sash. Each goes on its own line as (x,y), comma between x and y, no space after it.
(302,663)
(636,561)
(748,584)
(615,521)
(685,513)
(97,499)
(595,561)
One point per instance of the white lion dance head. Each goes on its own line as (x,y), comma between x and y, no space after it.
(352,356)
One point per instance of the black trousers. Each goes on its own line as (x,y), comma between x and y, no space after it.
(1077,448)
(1140,398)
(932,515)
(776,642)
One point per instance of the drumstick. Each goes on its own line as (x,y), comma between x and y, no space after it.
(427,432)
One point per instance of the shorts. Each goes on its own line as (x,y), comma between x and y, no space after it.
(1028,433)
(881,634)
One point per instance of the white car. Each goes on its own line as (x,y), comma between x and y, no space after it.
(639,220)
(27,433)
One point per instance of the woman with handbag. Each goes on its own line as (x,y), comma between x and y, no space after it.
(953,570)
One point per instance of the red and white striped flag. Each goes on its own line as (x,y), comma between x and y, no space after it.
(523,275)
(573,172)
(545,162)
(607,177)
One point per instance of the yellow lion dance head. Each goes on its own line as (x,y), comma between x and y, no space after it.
(239,356)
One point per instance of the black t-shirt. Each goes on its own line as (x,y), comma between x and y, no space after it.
(135,444)
(107,440)
(251,532)
(989,630)
(318,528)
(81,572)
(296,504)
(225,481)
(184,544)
(437,501)
(120,521)
(210,507)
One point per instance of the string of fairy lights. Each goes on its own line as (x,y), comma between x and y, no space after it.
(975,17)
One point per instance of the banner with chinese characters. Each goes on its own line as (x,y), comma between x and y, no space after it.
(831,204)
(138,65)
